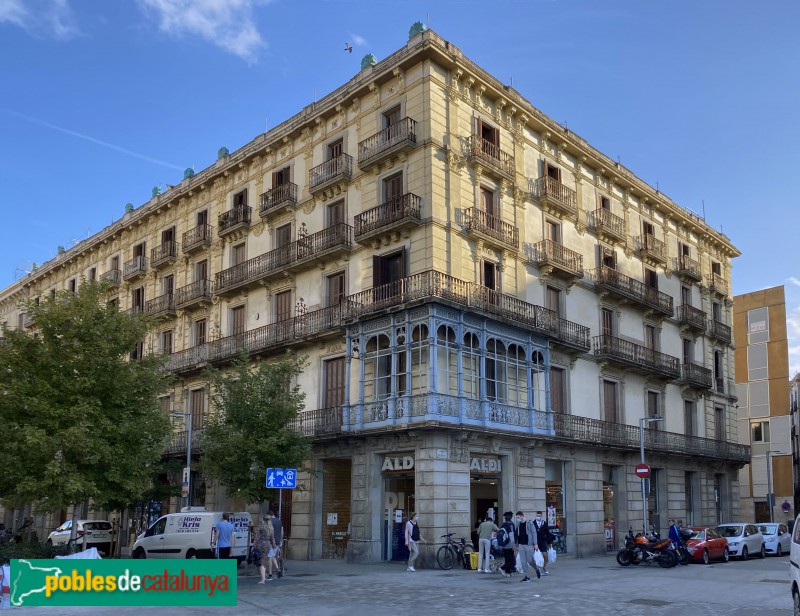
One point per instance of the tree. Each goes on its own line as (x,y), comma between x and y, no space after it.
(249,429)
(80,420)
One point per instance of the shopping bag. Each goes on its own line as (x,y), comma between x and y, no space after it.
(551,555)
(519,563)
(538,558)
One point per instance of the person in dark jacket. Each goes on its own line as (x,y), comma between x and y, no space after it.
(674,533)
(543,538)
(509,563)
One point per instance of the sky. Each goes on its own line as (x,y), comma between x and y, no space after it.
(101,101)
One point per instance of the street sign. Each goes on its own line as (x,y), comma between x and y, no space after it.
(642,471)
(284,478)
(185,489)
(186,472)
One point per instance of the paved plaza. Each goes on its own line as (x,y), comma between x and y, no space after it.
(587,586)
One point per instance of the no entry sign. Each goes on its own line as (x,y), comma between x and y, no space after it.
(642,471)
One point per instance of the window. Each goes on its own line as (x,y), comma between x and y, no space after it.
(607,321)
(651,337)
(377,368)
(608,258)
(391,117)
(138,351)
(388,268)
(653,407)
(716,268)
(334,390)
(199,332)
(52,293)
(605,203)
(238,254)
(240,199)
(471,366)
(202,219)
(552,231)
(393,188)
(758,325)
(419,354)
(283,235)
(551,171)
(651,278)
(719,423)
(280,177)
(166,342)
(610,401)
(447,362)
(139,250)
(557,390)
(335,149)
(719,382)
(716,312)
(237,320)
(688,350)
(168,236)
(166,405)
(334,213)
(201,270)
(496,370)
(517,376)
(686,296)
(137,300)
(490,275)
(689,418)
(490,138)
(552,299)
(93,274)
(115,263)
(487,202)
(683,249)
(759,431)
(283,306)
(648,229)
(72,285)
(168,284)
(335,289)
(197,407)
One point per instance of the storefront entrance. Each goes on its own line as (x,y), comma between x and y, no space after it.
(484,491)
(399,503)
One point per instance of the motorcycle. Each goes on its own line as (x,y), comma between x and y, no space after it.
(641,549)
(681,549)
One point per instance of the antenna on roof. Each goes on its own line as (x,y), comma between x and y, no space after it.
(657,189)
(428,21)
(266,124)
(703,201)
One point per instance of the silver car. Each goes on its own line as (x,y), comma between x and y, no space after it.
(743,540)
(777,539)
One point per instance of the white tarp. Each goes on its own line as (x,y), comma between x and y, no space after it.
(90,553)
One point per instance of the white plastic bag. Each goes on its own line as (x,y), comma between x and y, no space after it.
(551,555)
(538,558)
(519,563)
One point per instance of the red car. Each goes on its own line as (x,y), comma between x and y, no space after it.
(706,544)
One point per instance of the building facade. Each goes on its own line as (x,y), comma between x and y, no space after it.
(764,418)
(489,306)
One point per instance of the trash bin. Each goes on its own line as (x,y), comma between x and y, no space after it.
(474,559)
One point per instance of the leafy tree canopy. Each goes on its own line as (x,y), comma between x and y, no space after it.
(249,429)
(79,419)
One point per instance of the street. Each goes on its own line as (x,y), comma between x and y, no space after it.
(587,586)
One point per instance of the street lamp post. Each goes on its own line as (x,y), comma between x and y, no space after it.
(643,421)
(770,497)
(188,417)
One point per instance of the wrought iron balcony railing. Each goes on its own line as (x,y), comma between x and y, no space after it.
(161,306)
(335,169)
(693,317)
(636,356)
(113,276)
(392,139)
(687,267)
(134,268)
(603,221)
(166,253)
(318,422)
(395,212)
(717,284)
(179,441)
(491,227)
(285,194)
(198,291)
(557,256)
(550,192)
(629,288)
(188,359)
(233,219)
(196,238)
(485,152)
(696,375)
(720,331)
(649,247)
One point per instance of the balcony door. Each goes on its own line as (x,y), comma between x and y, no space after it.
(201,270)
(490,138)
(686,296)
(335,149)
(237,320)
(607,321)
(393,189)
(280,177)
(283,236)
(334,390)
(610,410)
(283,306)
(168,236)
(168,284)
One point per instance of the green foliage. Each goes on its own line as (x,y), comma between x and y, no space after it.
(80,421)
(249,428)
(29,549)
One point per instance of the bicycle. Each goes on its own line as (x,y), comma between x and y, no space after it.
(454,552)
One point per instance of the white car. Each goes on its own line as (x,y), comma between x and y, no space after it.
(777,539)
(794,568)
(90,534)
(743,540)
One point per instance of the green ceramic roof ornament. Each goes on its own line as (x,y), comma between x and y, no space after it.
(369,60)
(222,152)
(128,207)
(188,173)
(156,191)
(61,250)
(417,28)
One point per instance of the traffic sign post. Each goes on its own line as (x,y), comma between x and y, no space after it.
(282,479)
(642,471)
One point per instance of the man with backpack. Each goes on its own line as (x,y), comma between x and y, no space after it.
(412,539)
(526,539)
(505,541)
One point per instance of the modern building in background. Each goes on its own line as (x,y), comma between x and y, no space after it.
(764,421)
(491,309)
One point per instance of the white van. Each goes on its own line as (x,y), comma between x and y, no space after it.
(188,535)
(794,567)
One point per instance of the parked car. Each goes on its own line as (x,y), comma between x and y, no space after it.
(777,538)
(743,540)
(90,534)
(706,544)
(794,568)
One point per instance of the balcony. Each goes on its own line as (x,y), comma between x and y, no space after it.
(135,268)
(625,287)
(163,255)
(310,249)
(237,218)
(274,199)
(560,260)
(491,229)
(720,331)
(717,284)
(687,268)
(113,277)
(697,376)
(197,238)
(650,249)
(553,196)
(330,172)
(161,306)
(189,359)
(277,336)
(636,357)
(432,285)
(197,293)
(390,141)
(28,321)
(693,318)
(607,225)
(319,422)
(179,441)
(485,153)
(395,215)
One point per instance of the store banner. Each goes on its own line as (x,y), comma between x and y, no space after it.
(41,582)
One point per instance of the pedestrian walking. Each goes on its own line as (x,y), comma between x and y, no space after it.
(486,531)
(223,537)
(505,541)
(674,533)
(526,538)
(543,538)
(265,544)
(413,538)
(277,527)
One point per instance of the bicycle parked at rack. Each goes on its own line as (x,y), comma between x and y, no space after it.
(455,551)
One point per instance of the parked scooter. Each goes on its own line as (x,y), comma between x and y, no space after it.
(641,549)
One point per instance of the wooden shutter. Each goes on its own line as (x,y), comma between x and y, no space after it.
(283,236)
(201,270)
(237,319)
(198,403)
(335,289)
(335,213)
(553,300)
(393,187)
(200,332)
(607,316)
(557,390)
(610,401)
(377,271)
(169,284)
(283,306)
(333,394)
(202,218)
(487,201)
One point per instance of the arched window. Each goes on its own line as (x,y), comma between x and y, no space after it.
(446,361)
(517,376)
(538,381)
(496,371)
(470,362)
(377,368)
(419,359)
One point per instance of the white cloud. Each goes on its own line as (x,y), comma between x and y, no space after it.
(50,18)
(793,280)
(228,24)
(358,41)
